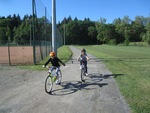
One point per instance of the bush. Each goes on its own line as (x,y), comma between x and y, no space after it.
(126,42)
(112,42)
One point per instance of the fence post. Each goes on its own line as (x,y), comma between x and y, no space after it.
(9,52)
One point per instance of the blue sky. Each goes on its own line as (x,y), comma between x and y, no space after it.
(93,9)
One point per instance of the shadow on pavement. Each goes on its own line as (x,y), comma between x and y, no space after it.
(69,87)
(74,86)
(114,75)
(93,79)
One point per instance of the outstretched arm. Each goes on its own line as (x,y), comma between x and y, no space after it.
(47,62)
(61,62)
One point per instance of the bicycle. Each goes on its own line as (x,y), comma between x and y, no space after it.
(51,79)
(83,72)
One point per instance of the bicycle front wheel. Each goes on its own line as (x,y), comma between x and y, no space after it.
(48,84)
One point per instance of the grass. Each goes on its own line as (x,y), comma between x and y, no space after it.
(64,54)
(134,63)
(138,44)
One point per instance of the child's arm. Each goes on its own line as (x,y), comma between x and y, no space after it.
(78,58)
(47,62)
(87,58)
(61,62)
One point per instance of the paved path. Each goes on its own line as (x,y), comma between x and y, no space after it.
(22,91)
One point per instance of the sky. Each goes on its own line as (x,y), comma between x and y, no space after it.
(93,9)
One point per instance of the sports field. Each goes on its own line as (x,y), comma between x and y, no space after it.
(17,55)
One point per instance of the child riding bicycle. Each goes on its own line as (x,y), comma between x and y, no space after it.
(55,64)
(83,58)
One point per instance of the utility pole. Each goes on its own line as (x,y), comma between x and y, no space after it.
(30,31)
(33,28)
(54,47)
(45,30)
(64,30)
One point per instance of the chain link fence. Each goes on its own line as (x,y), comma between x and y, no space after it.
(34,42)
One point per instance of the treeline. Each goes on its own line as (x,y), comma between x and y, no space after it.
(120,31)
(20,31)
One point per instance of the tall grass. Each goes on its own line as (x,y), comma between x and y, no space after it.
(134,64)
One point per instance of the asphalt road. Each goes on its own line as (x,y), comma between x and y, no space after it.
(22,91)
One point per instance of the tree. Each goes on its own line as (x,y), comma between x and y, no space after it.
(126,20)
(101,32)
(22,33)
(137,29)
(3,30)
(9,17)
(92,33)
(123,30)
(146,36)
(102,20)
(3,37)
(117,21)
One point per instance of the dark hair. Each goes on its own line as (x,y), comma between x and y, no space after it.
(83,50)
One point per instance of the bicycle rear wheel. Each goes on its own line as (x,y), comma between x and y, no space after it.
(82,75)
(48,84)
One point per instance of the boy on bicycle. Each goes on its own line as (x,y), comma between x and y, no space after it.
(83,59)
(55,64)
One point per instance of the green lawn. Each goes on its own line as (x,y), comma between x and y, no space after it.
(64,54)
(132,62)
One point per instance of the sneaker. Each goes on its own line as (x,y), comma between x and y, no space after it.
(86,74)
(57,82)
(80,67)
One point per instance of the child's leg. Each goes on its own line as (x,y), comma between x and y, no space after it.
(86,69)
(80,64)
(57,69)
(57,76)
(50,70)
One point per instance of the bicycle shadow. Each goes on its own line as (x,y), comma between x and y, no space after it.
(105,76)
(93,79)
(70,87)
(96,77)
(74,86)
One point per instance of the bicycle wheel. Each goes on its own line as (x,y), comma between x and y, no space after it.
(48,84)
(82,75)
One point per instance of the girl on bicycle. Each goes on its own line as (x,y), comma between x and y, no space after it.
(55,64)
(83,59)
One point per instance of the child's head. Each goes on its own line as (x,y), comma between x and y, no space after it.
(82,52)
(52,54)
